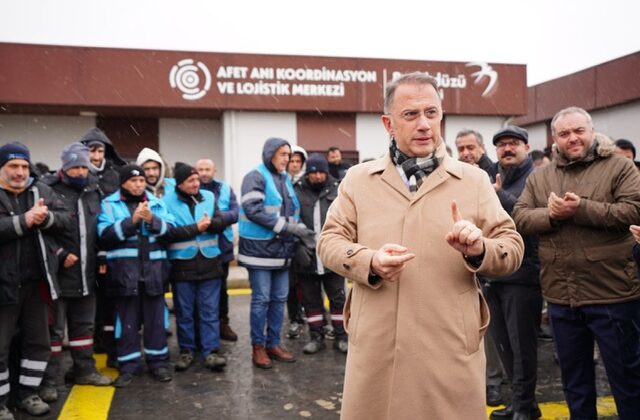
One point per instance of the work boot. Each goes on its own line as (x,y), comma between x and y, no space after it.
(508,413)
(48,393)
(295,330)
(123,380)
(94,378)
(161,374)
(494,395)
(215,361)
(315,344)
(260,358)
(34,405)
(6,414)
(226,333)
(342,345)
(280,354)
(184,360)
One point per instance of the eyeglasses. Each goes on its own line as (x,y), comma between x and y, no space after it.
(413,114)
(512,143)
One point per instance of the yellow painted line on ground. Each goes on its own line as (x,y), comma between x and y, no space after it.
(559,410)
(90,402)
(239,292)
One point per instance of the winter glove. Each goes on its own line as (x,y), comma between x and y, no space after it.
(303,257)
(307,236)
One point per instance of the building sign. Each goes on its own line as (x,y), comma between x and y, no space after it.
(176,82)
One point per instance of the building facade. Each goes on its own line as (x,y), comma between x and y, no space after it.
(190,105)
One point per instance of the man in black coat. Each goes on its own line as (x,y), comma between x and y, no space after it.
(515,301)
(29,214)
(78,190)
(105,162)
(316,191)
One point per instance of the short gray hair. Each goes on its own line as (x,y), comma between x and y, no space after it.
(417,78)
(566,111)
(467,131)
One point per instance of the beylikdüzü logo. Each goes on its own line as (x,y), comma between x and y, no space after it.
(486,71)
(186,77)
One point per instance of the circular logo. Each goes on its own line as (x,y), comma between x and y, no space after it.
(186,77)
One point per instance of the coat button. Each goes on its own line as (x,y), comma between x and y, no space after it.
(346,266)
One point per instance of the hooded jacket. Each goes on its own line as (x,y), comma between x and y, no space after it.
(163,184)
(297,149)
(108,179)
(80,238)
(587,259)
(274,248)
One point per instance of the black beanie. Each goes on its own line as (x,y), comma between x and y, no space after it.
(12,151)
(129,171)
(182,172)
(317,162)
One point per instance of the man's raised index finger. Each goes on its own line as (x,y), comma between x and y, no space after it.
(455,213)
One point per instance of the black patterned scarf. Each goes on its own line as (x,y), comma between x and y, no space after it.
(415,169)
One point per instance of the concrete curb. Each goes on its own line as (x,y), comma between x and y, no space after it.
(238,278)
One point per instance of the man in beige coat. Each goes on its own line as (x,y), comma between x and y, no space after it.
(411,229)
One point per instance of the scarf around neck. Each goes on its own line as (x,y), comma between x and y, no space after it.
(416,169)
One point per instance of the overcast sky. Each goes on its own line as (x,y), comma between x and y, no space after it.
(553,38)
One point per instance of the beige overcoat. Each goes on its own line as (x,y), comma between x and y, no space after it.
(415,345)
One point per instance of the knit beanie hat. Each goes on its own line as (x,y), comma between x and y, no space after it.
(75,154)
(12,151)
(182,172)
(317,162)
(129,171)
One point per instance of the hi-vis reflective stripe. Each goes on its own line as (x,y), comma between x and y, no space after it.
(33,364)
(29,380)
(279,224)
(315,318)
(4,389)
(261,262)
(129,356)
(158,255)
(184,245)
(337,317)
(56,349)
(253,195)
(156,352)
(118,228)
(4,375)
(122,253)
(108,328)
(81,343)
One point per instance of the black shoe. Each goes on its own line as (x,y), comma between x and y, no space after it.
(123,380)
(545,337)
(161,374)
(494,395)
(507,413)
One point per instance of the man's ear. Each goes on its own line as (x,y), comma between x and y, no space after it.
(386,121)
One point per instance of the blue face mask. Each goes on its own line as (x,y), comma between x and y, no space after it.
(78,182)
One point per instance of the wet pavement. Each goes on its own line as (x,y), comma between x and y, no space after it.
(309,388)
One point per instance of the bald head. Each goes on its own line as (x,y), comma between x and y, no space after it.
(206,170)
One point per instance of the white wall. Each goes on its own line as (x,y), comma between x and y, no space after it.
(372,140)
(537,136)
(487,126)
(187,140)
(244,136)
(619,122)
(44,135)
